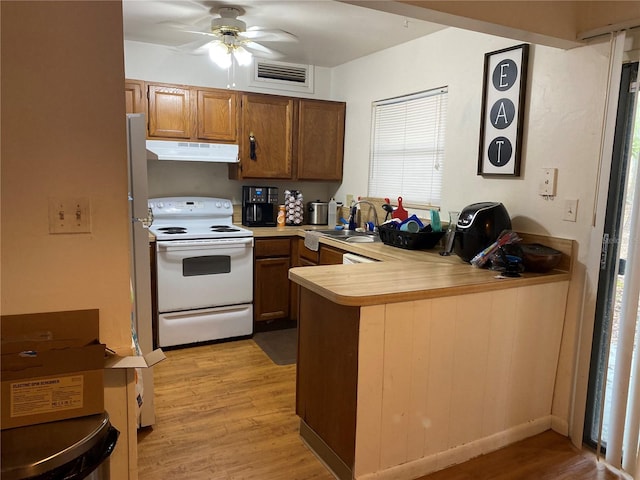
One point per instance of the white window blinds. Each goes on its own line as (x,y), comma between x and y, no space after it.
(407,147)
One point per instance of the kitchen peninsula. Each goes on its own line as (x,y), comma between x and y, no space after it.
(406,367)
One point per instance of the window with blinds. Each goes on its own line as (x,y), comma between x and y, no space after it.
(407,147)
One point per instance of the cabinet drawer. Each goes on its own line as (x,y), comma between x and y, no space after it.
(330,255)
(304,252)
(272,247)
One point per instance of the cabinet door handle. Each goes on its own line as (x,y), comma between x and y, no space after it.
(252,146)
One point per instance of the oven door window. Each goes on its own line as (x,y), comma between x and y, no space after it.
(206,265)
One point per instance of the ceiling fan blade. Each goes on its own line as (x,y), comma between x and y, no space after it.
(269,35)
(198,47)
(261,50)
(206,34)
(200,23)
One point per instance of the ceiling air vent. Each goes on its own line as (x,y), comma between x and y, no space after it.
(283,76)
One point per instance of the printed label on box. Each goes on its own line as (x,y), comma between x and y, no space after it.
(30,397)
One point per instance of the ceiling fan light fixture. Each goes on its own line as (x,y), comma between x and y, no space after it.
(220,55)
(228,23)
(242,55)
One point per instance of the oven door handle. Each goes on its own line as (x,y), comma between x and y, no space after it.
(211,244)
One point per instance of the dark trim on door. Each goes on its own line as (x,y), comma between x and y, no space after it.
(623,139)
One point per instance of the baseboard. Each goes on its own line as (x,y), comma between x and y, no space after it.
(324,453)
(438,461)
(560,425)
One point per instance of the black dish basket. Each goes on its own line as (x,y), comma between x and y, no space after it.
(411,241)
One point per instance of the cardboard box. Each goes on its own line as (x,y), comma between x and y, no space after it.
(134,361)
(52,367)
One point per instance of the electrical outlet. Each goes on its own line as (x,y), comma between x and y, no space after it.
(69,215)
(570,210)
(548,182)
(349,199)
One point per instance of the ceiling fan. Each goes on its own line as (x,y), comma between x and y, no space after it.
(229,36)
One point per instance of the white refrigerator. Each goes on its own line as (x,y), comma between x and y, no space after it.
(140,267)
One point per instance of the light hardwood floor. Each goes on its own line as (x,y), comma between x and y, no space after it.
(225,411)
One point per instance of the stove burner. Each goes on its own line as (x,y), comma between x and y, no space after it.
(224,228)
(173,230)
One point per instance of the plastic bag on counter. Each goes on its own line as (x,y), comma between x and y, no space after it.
(506,237)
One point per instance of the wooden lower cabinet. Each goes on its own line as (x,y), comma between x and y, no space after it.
(305,257)
(330,255)
(271,289)
(274,296)
(325,255)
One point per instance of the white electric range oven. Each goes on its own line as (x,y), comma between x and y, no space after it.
(204,271)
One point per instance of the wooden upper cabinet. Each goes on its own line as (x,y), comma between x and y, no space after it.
(169,111)
(134,96)
(293,138)
(192,113)
(320,139)
(268,120)
(217,115)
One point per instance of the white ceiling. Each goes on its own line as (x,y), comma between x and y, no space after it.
(329,32)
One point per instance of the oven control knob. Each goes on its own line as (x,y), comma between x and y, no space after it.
(160,205)
(218,204)
(227,204)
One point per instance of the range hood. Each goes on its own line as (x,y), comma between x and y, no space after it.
(191,151)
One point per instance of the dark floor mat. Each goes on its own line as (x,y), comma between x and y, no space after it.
(281,346)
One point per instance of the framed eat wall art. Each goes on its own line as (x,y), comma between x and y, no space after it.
(503,98)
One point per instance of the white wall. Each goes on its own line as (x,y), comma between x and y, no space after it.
(562,126)
(144,61)
(563,123)
(168,178)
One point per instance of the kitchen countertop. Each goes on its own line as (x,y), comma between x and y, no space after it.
(401,275)
(391,282)
(375,250)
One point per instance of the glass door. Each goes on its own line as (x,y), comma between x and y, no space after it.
(610,395)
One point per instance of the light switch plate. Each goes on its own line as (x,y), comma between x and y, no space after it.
(570,210)
(69,215)
(548,182)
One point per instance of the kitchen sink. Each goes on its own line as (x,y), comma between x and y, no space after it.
(350,236)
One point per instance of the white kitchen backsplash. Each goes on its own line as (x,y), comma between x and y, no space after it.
(168,178)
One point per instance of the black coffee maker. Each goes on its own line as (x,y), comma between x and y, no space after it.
(479,225)
(259,206)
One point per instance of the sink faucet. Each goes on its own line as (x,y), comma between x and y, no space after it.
(354,212)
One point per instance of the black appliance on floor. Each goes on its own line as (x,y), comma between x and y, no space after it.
(479,225)
(259,206)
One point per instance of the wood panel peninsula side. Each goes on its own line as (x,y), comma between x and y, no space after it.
(405,368)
